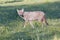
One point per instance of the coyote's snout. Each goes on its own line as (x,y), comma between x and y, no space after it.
(31,16)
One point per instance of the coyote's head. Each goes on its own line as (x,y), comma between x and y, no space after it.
(20,12)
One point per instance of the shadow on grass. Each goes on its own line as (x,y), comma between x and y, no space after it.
(9,14)
(18,36)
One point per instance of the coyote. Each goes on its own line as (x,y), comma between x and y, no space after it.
(31,16)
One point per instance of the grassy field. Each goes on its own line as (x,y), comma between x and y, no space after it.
(24,2)
(11,25)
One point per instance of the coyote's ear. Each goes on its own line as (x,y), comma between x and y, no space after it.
(22,9)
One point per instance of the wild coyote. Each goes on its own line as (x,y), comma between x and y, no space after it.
(31,16)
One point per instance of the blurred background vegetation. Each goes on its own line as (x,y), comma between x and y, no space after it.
(11,25)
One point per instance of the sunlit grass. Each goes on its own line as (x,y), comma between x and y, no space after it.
(27,2)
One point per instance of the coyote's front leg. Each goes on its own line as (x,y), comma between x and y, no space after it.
(31,23)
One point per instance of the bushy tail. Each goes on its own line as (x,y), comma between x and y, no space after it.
(44,20)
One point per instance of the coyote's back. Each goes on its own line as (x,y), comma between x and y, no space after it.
(35,15)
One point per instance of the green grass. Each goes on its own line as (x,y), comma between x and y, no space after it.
(11,25)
